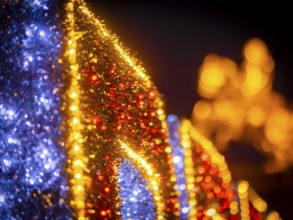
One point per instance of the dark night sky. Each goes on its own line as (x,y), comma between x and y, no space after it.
(172,40)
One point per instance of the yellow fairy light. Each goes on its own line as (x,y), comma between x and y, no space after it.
(242,188)
(258,203)
(189,167)
(211,150)
(273,216)
(100,27)
(152,177)
(190,136)
(233,208)
(76,169)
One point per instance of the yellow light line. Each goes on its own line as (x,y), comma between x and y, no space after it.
(153,179)
(258,203)
(76,155)
(189,167)
(211,150)
(106,34)
(243,199)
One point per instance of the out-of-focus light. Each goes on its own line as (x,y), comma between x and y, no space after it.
(240,105)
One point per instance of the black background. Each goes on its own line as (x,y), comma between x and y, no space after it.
(173,37)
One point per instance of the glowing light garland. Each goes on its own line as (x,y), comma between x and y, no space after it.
(205,168)
(179,154)
(77,160)
(189,169)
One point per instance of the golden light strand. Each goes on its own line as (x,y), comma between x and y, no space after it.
(189,167)
(106,34)
(75,149)
(242,188)
(211,150)
(152,177)
(258,203)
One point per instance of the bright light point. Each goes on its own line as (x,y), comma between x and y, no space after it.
(11,113)
(28,33)
(45,151)
(30,58)
(210,212)
(6,162)
(69,42)
(79,187)
(176,159)
(76,147)
(47,166)
(42,33)
(73,95)
(77,162)
(132,199)
(73,108)
(1,198)
(36,2)
(185,210)
(71,51)
(75,121)
(160,111)
(32,181)
(78,175)
(10,140)
(182,187)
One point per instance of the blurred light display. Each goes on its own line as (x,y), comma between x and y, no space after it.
(83,135)
(239,105)
(249,205)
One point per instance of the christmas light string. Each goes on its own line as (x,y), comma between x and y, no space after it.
(77,160)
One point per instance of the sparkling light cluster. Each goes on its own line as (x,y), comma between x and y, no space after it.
(239,105)
(179,155)
(208,175)
(110,101)
(203,178)
(32,184)
(137,201)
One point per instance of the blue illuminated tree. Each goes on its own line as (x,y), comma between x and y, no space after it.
(32,184)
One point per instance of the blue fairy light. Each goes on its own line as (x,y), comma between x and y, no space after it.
(137,201)
(178,161)
(32,183)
